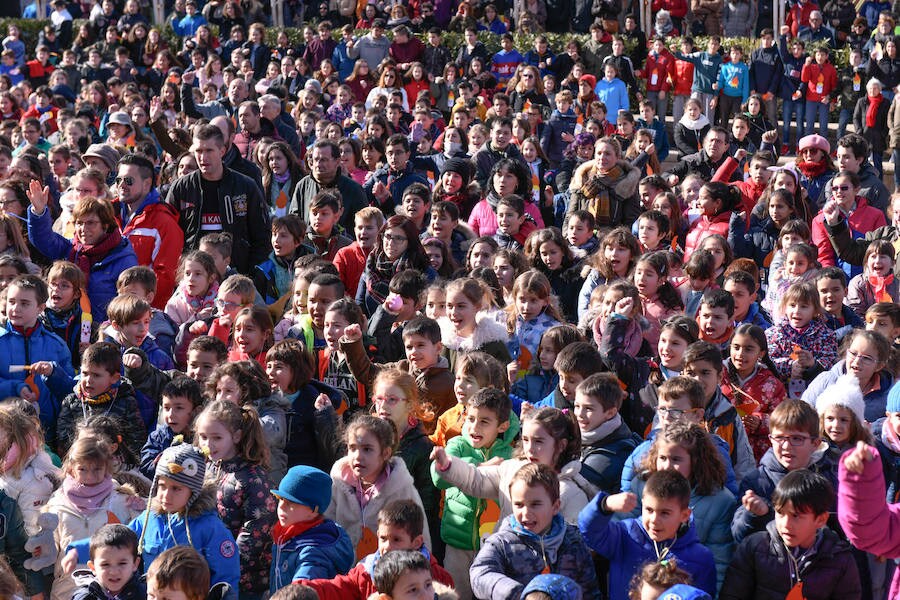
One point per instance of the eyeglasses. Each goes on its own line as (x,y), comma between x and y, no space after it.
(862,359)
(226,305)
(393,238)
(127,180)
(91,223)
(793,440)
(842,188)
(388,400)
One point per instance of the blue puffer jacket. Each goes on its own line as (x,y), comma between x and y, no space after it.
(628,546)
(876,400)
(158,440)
(322,552)
(101,287)
(513,556)
(532,388)
(18,349)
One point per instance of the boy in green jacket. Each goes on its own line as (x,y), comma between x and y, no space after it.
(489,428)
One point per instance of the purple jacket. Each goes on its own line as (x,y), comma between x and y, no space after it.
(870,523)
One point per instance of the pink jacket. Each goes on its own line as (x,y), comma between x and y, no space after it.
(870,523)
(484,220)
(863,220)
(704,227)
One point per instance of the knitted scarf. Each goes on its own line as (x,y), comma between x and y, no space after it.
(87,498)
(85,255)
(811,170)
(601,204)
(589,438)
(872,110)
(282,533)
(379,270)
(200,303)
(880,287)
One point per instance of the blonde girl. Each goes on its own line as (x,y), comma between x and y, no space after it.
(87,500)
(252,333)
(244,383)
(640,157)
(395,398)
(234,443)
(688,449)
(877,282)
(27,473)
(198,285)
(842,421)
(466,328)
(532,313)
(366,480)
(549,437)
(751,384)
(619,251)
(659,299)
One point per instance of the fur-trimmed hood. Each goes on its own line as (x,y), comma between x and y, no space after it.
(487,330)
(205,502)
(625,187)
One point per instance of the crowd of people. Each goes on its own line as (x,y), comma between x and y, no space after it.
(371,316)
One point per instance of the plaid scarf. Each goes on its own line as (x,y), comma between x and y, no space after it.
(379,270)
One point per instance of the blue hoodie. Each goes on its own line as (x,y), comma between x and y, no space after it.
(627,545)
(321,552)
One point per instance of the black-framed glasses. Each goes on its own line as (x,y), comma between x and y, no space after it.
(127,180)
(793,440)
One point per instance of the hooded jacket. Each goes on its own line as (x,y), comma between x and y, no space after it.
(489,337)
(763,482)
(157,240)
(322,552)
(513,556)
(461,522)
(89,587)
(871,187)
(761,569)
(18,349)
(603,460)
(123,406)
(243,211)
(311,436)
(551,139)
(627,545)
(76,528)
(624,206)
(705,227)
(362,523)
(32,488)
(101,287)
(357,584)
(272,412)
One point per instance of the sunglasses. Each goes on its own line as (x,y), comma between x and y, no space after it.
(129,181)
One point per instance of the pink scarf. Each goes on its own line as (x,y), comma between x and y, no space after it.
(87,498)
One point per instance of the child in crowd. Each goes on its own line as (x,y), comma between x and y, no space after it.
(743,289)
(819,563)
(307,546)
(183,571)
(232,439)
(831,283)
(529,316)
(801,345)
(400,527)
(235,294)
(701,277)
(750,382)
(196,293)
(101,390)
(800,266)
(368,478)
(535,539)
(252,335)
(541,379)
(406,574)
(114,566)
(474,371)
(606,441)
(574,363)
(488,431)
(350,260)
(87,500)
(664,531)
(182,401)
(244,383)
(876,283)
(465,329)
(659,299)
(716,318)
(68,312)
(141,282)
(273,277)
(795,445)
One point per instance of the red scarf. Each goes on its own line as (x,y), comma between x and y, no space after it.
(880,286)
(872,111)
(282,533)
(811,169)
(85,255)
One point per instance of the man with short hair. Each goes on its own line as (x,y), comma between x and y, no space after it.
(706,162)
(150,224)
(320,47)
(270,108)
(325,172)
(373,47)
(238,91)
(816,32)
(254,127)
(233,158)
(215,198)
(386,186)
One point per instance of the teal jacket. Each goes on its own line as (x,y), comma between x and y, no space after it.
(462,513)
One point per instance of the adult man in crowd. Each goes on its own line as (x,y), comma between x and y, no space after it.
(705,162)
(325,172)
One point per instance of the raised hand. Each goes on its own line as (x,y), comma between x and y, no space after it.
(39,196)
(754,503)
(624,306)
(624,502)
(856,461)
(440,458)
(352,332)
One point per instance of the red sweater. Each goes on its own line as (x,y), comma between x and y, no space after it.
(820,81)
(658,70)
(350,262)
(863,220)
(357,584)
